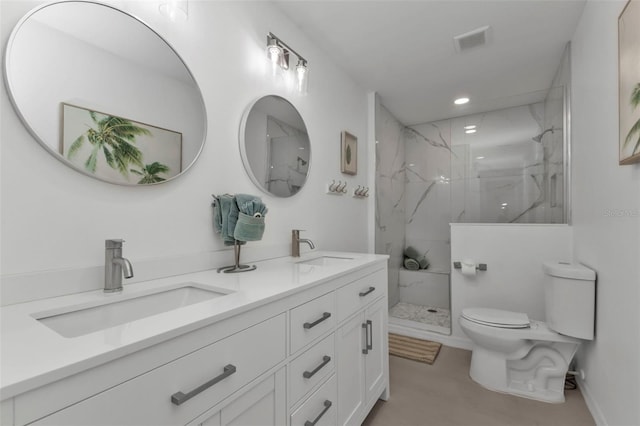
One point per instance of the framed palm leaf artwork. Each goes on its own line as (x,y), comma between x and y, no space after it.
(349,154)
(629,82)
(118,149)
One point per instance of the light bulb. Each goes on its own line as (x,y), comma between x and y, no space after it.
(274,52)
(461,101)
(302,75)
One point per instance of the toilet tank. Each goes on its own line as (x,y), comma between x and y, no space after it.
(569,296)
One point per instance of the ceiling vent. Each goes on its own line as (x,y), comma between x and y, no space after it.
(472,39)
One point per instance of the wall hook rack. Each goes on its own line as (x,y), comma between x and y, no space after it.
(361,192)
(337,188)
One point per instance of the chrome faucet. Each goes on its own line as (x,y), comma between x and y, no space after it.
(296,240)
(115,266)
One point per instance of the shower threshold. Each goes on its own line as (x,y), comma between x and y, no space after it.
(421,317)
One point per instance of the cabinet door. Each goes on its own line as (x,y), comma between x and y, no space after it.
(264,405)
(350,369)
(376,357)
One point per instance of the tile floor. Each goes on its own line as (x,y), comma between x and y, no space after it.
(442,394)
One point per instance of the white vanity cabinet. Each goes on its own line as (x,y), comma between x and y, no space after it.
(179,391)
(313,357)
(362,351)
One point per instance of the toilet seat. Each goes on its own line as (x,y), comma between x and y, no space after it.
(496,318)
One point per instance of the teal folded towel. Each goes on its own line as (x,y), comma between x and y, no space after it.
(225,217)
(424,263)
(414,254)
(249,228)
(239,218)
(411,264)
(251,205)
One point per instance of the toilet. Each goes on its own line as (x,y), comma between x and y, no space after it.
(517,355)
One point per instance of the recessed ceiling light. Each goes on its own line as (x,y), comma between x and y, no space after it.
(479,158)
(470,126)
(470,131)
(461,101)
(504,204)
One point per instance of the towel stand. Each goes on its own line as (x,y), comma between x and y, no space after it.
(237,267)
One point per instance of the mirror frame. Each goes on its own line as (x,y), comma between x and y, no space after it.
(7,73)
(243,146)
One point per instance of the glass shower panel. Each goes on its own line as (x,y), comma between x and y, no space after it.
(503,172)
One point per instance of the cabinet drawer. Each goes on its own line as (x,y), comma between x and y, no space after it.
(147,399)
(320,408)
(312,319)
(311,367)
(359,293)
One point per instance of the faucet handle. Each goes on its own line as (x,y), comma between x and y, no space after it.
(113,243)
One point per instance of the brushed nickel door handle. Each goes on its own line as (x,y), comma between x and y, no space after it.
(309,325)
(327,405)
(364,293)
(181,397)
(310,374)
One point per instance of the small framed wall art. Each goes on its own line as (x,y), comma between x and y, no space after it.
(629,82)
(349,154)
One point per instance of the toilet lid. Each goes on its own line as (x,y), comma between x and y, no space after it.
(496,317)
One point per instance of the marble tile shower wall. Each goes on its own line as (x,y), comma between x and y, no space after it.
(390,193)
(428,191)
(497,175)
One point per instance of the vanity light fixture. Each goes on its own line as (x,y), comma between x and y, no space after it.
(278,53)
(470,127)
(175,10)
(461,101)
(469,131)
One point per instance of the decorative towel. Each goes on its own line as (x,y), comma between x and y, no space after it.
(249,228)
(411,264)
(238,218)
(414,254)
(225,217)
(251,205)
(424,263)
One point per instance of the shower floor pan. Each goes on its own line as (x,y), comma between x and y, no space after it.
(421,317)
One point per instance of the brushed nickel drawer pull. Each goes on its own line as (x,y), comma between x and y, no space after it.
(327,405)
(366,338)
(364,293)
(370,334)
(310,374)
(309,325)
(180,397)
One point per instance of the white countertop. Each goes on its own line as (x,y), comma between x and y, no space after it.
(32,355)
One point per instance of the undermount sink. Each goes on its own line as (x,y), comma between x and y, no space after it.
(79,320)
(325,260)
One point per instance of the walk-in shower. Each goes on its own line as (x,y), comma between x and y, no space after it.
(503,166)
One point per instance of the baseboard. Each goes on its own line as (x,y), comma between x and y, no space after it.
(453,341)
(592,405)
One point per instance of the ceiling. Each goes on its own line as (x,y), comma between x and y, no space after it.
(404,50)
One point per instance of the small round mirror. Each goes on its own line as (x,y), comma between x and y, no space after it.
(104,93)
(275,147)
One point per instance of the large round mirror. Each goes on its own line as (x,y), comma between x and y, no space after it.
(275,147)
(104,93)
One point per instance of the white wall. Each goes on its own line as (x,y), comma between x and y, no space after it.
(606,219)
(54,218)
(514,255)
